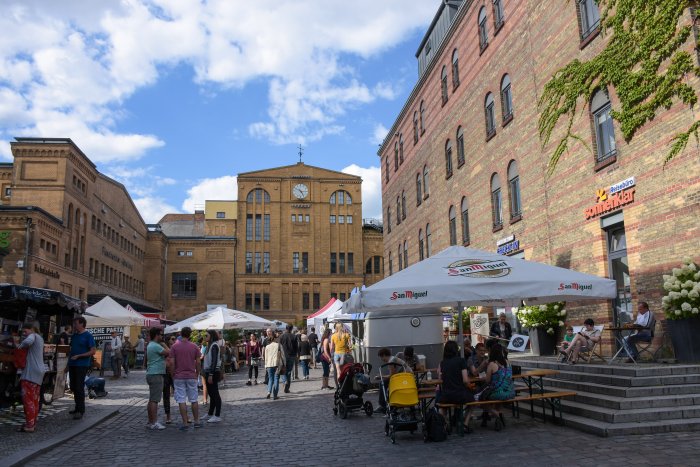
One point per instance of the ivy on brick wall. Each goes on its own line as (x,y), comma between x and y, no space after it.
(644,62)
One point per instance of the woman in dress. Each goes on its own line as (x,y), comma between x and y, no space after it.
(499,376)
(326,358)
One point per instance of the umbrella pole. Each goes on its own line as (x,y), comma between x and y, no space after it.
(459,329)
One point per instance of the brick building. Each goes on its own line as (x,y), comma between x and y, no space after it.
(300,240)
(463,162)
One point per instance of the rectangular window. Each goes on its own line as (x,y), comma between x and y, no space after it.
(249,301)
(589,16)
(295,262)
(334,295)
(341,263)
(266,235)
(258,227)
(317,301)
(333,263)
(220,215)
(341,219)
(465,226)
(257,303)
(377,264)
(307,220)
(184,285)
(294,218)
(305,262)
(249,227)
(258,263)
(497,209)
(605,133)
(305,301)
(266,301)
(351,265)
(342,296)
(515,208)
(266,262)
(349,219)
(332,219)
(8,192)
(248,262)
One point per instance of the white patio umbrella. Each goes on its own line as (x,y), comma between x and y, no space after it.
(221,318)
(459,276)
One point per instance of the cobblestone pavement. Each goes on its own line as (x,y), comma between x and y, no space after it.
(300,429)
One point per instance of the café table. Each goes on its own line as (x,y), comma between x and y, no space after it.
(534,379)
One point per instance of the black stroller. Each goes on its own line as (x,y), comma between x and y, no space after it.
(353,382)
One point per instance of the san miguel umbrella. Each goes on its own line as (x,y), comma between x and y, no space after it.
(460,276)
(221,318)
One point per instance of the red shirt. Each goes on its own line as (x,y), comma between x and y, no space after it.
(186,355)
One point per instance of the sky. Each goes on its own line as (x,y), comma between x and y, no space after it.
(173,98)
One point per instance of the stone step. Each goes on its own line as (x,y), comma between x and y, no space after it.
(602,368)
(628,381)
(630,415)
(639,391)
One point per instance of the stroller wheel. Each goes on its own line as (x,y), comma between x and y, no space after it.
(386,428)
(343,411)
(369,410)
(393,437)
(335,411)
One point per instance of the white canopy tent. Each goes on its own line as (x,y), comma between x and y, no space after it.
(108,312)
(325,313)
(221,318)
(459,276)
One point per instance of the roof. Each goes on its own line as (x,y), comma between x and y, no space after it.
(283,172)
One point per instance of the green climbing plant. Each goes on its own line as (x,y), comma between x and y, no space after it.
(644,62)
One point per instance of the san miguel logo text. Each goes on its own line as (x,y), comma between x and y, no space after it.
(575,286)
(478,268)
(410,294)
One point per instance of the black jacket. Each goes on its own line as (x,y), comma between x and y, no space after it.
(289,344)
(496,330)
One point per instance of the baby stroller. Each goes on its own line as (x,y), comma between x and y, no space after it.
(403,413)
(353,382)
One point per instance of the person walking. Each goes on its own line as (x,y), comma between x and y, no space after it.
(127,349)
(116,342)
(267,338)
(168,380)
(140,350)
(211,374)
(156,353)
(203,383)
(313,342)
(32,375)
(341,347)
(82,348)
(186,367)
(304,356)
(290,349)
(326,357)
(253,351)
(274,357)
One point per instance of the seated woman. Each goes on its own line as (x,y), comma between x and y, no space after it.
(584,340)
(499,377)
(455,378)
(408,356)
(568,337)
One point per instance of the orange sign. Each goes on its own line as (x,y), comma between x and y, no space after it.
(606,203)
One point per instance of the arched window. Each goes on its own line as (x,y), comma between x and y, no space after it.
(400,258)
(340,197)
(415,127)
(603,125)
(483,32)
(391,265)
(426,191)
(421,253)
(396,156)
(453,225)
(368,266)
(496,202)
(497,14)
(401,148)
(258,194)
(403,205)
(448,158)
(398,210)
(422,117)
(419,194)
(332,200)
(506,100)
(455,69)
(388,219)
(490,116)
(428,241)
(465,221)
(443,84)
(405,254)
(460,146)
(514,190)
(386,170)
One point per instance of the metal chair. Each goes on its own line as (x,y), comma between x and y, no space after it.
(645,346)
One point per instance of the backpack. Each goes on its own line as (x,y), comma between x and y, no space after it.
(435,426)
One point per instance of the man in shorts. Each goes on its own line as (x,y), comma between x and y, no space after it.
(186,368)
(155,374)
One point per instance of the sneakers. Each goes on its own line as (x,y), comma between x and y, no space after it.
(204,418)
(197,425)
(184,428)
(214,419)
(157,426)
(249,383)
(268,395)
(256,382)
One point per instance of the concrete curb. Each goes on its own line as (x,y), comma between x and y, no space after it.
(23,456)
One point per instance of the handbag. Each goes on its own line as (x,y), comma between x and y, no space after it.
(485,393)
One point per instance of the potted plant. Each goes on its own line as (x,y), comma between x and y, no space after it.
(682,308)
(543,321)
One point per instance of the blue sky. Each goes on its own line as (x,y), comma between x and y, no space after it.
(175,97)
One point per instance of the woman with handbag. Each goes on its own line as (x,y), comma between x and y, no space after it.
(324,355)
(274,365)
(252,355)
(212,374)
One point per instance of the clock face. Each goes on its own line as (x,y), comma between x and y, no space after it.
(300,191)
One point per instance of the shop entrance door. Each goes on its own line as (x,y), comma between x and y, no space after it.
(619,271)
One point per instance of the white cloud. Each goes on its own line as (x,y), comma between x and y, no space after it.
(66,68)
(222,188)
(380,132)
(371,189)
(153,208)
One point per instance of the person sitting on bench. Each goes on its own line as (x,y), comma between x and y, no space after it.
(582,341)
(644,318)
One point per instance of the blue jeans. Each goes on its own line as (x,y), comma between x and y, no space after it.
(630,342)
(273,381)
(326,368)
(291,361)
(305,367)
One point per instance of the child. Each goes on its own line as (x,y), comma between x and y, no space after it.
(568,337)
